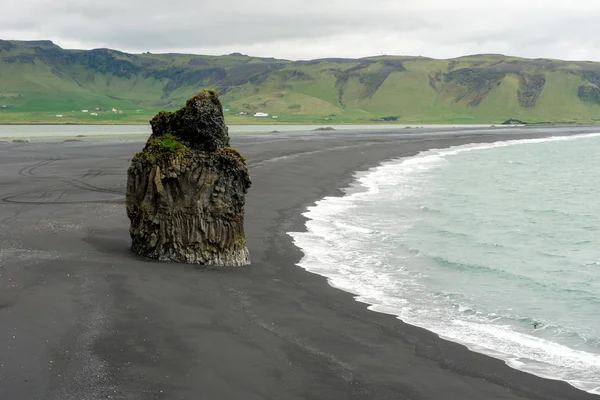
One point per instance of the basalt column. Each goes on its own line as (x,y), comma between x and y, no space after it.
(186,190)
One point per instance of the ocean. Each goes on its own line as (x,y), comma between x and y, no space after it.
(495,246)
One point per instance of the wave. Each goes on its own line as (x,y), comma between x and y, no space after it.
(332,248)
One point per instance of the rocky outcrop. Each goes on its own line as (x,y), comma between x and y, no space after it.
(513,121)
(530,89)
(186,190)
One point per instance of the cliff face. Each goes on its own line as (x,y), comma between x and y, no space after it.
(186,190)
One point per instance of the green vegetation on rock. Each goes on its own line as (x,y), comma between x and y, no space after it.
(43,83)
(163,148)
(166,144)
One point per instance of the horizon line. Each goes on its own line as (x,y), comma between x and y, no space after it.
(237,53)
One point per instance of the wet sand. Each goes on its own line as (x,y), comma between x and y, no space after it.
(83,318)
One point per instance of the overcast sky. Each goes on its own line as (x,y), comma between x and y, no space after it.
(308,29)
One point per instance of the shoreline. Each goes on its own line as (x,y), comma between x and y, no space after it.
(375,306)
(134,328)
(514,377)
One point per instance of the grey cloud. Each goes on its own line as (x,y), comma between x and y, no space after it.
(310,28)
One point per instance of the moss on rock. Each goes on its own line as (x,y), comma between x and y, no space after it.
(166,145)
(162,148)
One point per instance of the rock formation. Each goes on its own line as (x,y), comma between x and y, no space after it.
(186,190)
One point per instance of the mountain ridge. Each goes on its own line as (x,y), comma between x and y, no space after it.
(39,80)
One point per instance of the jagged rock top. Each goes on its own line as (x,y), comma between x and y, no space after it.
(199,125)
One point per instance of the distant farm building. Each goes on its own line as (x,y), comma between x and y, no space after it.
(84,111)
(59,115)
(243,113)
(94,114)
(261,115)
(275,117)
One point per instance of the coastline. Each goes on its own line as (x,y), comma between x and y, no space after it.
(326,214)
(271,330)
(470,364)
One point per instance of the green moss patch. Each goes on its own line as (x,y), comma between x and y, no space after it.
(163,148)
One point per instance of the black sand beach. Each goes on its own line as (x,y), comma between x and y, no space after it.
(83,318)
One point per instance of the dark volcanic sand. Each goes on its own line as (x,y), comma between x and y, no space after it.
(83,318)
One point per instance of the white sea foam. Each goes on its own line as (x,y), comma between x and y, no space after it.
(337,247)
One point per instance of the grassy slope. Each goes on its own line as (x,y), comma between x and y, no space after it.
(39,80)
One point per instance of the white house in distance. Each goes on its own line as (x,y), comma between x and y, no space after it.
(84,111)
(261,115)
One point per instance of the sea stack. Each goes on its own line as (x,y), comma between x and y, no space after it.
(186,190)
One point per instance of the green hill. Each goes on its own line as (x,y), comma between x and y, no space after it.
(39,80)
